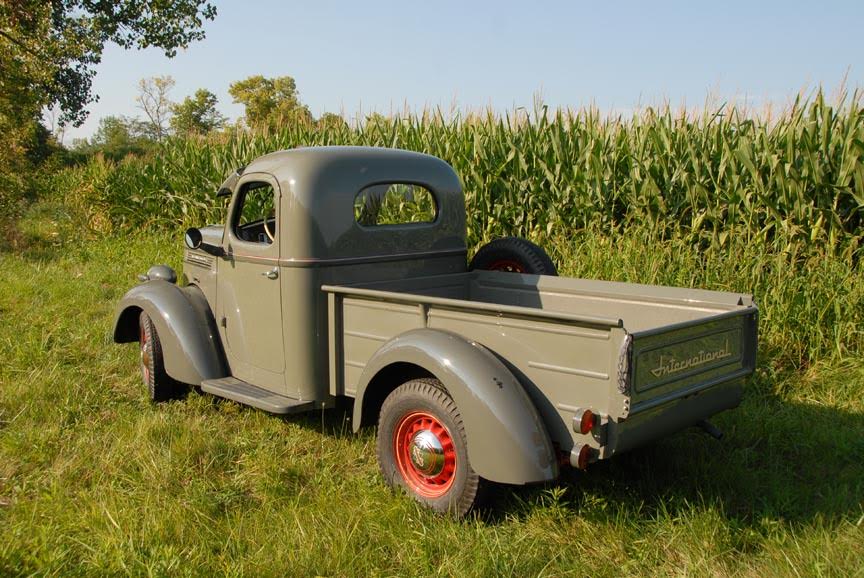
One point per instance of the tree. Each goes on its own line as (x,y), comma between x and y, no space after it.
(332,121)
(270,101)
(117,137)
(153,100)
(376,119)
(197,115)
(51,48)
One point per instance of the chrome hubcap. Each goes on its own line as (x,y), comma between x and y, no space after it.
(427,453)
(145,356)
(145,353)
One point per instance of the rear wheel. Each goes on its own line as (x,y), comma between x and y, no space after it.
(513,255)
(422,447)
(160,385)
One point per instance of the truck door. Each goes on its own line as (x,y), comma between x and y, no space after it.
(248,293)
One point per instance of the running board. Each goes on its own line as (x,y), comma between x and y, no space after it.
(248,394)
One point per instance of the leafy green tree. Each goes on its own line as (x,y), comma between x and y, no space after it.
(376,122)
(49,50)
(270,101)
(117,137)
(332,121)
(197,114)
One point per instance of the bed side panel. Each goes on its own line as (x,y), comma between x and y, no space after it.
(564,367)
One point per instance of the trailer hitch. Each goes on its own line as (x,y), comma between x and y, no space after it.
(710,429)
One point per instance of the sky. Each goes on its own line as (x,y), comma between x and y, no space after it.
(354,58)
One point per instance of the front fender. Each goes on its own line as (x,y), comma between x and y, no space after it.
(507,440)
(187,330)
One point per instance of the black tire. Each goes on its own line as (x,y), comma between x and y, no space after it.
(160,386)
(514,255)
(456,489)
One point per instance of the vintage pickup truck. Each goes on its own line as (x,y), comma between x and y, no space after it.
(342,272)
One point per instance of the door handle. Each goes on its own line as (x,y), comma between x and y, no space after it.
(272,273)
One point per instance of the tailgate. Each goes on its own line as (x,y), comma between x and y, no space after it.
(678,360)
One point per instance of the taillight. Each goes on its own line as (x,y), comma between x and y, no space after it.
(580,456)
(584,421)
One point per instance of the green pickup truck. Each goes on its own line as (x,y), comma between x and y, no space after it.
(342,272)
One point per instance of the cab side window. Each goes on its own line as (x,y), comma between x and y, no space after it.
(255,217)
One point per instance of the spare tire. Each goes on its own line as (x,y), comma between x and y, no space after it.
(513,255)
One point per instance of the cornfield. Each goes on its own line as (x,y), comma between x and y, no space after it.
(796,179)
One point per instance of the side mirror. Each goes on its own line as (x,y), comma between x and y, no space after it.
(193,238)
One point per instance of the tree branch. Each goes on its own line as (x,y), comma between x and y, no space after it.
(20,44)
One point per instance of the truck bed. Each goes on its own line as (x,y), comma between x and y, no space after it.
(620,349)
(638,307)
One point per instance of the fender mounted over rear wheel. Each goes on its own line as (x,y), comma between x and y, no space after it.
(513,255)
(422,447)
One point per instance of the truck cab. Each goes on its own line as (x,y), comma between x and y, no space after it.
(304,218)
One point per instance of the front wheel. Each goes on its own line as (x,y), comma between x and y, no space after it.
(422,447)
(159,384)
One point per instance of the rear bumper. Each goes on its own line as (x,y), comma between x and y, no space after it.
(661,420)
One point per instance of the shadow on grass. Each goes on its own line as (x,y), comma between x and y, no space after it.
(779,461)
(32,246)
(44,233)
(334,423)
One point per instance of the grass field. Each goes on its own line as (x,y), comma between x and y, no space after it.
(96,480)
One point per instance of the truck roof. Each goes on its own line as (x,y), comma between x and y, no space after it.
(324,157)
(318,188)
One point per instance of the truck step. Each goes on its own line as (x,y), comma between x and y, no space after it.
(248,394)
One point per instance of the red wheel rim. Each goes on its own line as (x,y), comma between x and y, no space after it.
(145,354)
(507,265)
(428,473)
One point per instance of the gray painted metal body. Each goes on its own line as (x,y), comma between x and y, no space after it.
(185,325)
(508,441)
(333,308)
(566,360)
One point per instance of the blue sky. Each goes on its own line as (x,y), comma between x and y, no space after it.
(354,57)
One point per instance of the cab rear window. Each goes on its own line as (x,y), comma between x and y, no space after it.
(395,204)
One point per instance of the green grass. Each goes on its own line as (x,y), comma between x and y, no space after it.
(96,480)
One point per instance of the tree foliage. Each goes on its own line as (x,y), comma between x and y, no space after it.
(197,114)
(270,101)
(331,121)
(117,137)
(50,49)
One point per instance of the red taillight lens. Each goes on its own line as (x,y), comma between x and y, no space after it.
(586,424)
(580,457)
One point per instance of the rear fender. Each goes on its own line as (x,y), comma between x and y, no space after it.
(185,324)
(507,440)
